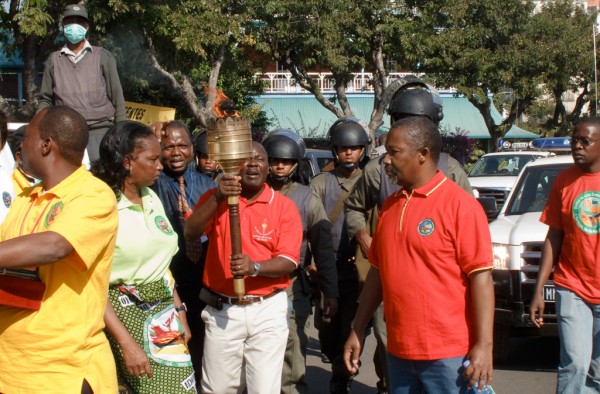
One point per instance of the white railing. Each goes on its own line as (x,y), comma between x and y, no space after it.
(283,83)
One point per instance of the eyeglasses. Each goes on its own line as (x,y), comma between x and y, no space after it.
(584,141)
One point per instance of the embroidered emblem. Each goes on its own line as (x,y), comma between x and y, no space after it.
(262,234)
(53,213)
(586,212)
(426,227)
(6,199)
(163,225)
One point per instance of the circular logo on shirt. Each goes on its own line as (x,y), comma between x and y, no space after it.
(163,225)
(586,212)
(426,227)
(6,199)
(53,213)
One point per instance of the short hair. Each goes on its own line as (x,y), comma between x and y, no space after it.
(421,133)
(69,129)
(593,120)
(122,140)
(176,124)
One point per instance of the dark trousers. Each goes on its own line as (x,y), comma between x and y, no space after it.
(333,333)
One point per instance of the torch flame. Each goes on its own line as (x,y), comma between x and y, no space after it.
(223,106)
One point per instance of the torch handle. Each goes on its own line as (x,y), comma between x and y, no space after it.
(239,286)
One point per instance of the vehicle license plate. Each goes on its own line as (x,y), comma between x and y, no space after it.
(549,293)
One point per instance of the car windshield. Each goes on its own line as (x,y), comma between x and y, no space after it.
(533,188)
(500,165)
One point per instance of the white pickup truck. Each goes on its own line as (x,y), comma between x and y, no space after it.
(517,238)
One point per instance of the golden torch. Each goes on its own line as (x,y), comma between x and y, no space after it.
(230,145)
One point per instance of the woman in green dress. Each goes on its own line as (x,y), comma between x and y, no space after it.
(145,319)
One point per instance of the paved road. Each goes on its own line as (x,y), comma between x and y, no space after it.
(531,368)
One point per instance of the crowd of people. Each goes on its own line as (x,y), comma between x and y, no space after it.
(121,278)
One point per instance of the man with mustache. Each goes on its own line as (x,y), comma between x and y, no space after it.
(431,259)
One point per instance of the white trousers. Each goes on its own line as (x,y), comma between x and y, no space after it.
(244,346)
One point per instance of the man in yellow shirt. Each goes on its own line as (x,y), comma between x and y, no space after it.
(65,226)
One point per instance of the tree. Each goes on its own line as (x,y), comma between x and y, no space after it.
(470,45)
(560,40)
(338,36)
(187,45)
(30,29)
(183,44)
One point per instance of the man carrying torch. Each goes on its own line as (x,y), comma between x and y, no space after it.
(246,334)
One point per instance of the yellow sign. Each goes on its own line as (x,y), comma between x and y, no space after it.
(148,114)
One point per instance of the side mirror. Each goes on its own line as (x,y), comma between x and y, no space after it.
(490,207)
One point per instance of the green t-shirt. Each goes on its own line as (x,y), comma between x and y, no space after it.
(146,242)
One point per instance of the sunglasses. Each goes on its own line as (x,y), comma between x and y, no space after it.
(584,141)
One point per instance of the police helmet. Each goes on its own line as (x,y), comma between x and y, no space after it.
(416,98)
(284,144)
(282,147)
(200,143)
(349,131)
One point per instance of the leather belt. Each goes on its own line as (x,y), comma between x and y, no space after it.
(246,300)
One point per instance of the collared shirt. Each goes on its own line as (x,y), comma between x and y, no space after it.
(426,245)
(167,189)
(146,241)
(573,207)
(75,58)
(51,350)
(270,227)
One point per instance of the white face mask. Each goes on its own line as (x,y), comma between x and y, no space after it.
(74,33)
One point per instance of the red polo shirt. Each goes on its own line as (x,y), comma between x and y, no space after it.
(573,207)
(426,245)
(270,227)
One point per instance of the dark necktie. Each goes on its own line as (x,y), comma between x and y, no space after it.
(193,249)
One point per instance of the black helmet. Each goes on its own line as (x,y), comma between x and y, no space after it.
(348,131)
(282,147)
(416,98)
(277,144)
(285,144)
(200,143)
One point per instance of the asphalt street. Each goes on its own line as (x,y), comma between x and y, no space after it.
(531,368)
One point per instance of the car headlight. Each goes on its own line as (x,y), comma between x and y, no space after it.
(501,257)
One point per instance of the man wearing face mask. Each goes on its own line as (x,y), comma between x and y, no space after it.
(83,77)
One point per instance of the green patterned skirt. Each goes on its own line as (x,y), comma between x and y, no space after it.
(148,313)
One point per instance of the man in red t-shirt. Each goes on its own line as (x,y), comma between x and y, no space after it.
(571,247)
(431,259)
(245,339)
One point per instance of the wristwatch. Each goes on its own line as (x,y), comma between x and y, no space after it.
(181,308)
(256,269)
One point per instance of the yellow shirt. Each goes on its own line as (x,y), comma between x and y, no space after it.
(19,181)
(52,350)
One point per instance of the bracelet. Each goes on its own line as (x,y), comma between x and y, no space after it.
(181,308)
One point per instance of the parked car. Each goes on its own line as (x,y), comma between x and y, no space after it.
(316,161)
(517,241)
(494,174)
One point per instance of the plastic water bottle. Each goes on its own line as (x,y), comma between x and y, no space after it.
(474,390)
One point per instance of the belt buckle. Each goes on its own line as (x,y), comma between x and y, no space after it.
(248,300)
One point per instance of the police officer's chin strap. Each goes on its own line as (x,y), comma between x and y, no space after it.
(283,179)
(351,166)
